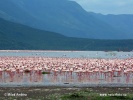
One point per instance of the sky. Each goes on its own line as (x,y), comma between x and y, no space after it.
(107,6)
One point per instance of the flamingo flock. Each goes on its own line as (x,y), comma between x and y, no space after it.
(86,69)
(77,65)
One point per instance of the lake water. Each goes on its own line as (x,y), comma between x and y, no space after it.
(62,79)
(71,54)
(65,78)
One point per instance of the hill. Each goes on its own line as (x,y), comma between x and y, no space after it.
(122,22)
(20,37)
(61,16)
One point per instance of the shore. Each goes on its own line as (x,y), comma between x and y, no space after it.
(44,92)
(68,85)
(41,51)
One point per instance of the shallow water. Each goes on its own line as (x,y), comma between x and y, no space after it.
(71,54)
(65,78)
(55,78)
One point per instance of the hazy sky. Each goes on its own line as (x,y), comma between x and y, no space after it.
(107,6)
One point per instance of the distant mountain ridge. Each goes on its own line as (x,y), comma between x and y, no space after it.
(61,16)
(14,36)
(123,22)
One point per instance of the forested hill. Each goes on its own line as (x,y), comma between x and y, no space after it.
(16,36)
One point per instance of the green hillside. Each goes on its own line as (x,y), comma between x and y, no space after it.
(17,36)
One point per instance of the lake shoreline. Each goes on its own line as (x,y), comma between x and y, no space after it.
(58,51)
(43,93)
(66,85)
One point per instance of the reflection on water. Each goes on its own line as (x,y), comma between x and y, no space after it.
(65,77)
(73,60)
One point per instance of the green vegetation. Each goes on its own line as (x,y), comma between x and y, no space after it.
(63,93)
(87,95)
(45,72)
(72,96)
